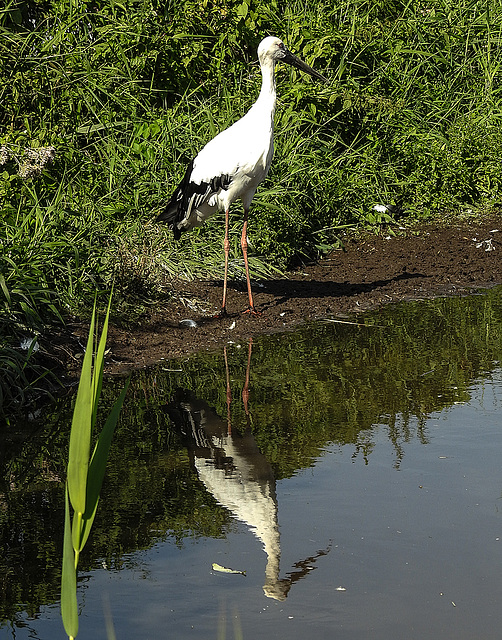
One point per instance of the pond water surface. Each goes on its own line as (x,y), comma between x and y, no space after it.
(358,487)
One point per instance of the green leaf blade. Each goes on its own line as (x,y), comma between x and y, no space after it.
(69,607)
(80,436)
(97,466)
(97,378)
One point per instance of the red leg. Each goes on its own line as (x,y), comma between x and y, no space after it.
(244,245)
(226,247)
(245,389)
(229,393)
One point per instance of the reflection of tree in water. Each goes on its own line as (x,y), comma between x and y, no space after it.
(326,384)
(239,476)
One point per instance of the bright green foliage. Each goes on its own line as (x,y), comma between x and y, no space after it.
(103,104)
(85,476)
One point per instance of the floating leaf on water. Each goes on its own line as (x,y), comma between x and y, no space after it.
(218,567)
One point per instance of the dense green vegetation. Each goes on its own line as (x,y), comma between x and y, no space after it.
(103,103)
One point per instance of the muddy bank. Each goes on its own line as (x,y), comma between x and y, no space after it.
(373,270)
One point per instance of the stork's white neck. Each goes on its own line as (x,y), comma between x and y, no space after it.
(267,98)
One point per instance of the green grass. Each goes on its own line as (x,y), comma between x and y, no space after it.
(126,93)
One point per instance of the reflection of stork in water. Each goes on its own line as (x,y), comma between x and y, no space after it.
(238,475)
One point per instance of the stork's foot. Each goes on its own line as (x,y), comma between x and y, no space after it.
(252,311)
(221,314)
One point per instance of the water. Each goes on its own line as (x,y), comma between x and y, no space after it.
(359,489)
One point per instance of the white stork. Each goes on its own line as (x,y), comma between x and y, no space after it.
(232,165)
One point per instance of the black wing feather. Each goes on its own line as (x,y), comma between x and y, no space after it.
(188,196)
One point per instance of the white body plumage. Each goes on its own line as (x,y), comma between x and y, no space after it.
(245,151)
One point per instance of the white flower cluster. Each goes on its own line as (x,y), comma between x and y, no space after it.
(34,160)
(4,155)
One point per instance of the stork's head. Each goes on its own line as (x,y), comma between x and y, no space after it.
(272,49)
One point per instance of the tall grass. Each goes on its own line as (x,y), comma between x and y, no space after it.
(126,93)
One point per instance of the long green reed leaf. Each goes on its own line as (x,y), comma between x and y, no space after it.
(99,361)
(97,466)
(69,609)
(80,436)
(85,477)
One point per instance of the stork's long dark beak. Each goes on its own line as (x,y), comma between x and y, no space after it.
(294,61)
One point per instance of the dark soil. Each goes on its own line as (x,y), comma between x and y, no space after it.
(372,270)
